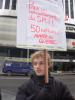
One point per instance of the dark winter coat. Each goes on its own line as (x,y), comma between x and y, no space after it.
(36,89)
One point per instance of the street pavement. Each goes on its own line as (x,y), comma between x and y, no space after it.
(7,94)
(9,85)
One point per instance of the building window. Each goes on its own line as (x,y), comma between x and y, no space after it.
(71,9)
(14,4)
(66,8)
(7,4)
(3,51)
(1,2)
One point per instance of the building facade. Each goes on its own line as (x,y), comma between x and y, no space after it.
(63,60)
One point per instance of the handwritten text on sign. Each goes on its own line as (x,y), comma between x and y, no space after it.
(43,23)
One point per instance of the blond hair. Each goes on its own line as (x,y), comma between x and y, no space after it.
(38,54)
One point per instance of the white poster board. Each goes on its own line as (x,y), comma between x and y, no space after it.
(40,24)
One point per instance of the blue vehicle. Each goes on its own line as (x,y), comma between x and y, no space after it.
(13,67)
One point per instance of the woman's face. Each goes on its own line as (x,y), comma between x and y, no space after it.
(39,66)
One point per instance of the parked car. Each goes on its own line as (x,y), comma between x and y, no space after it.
(13,67)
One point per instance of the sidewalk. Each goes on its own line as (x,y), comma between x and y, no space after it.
(63,73)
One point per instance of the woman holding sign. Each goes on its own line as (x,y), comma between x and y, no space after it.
(39,88)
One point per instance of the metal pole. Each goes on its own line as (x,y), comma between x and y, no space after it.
(52,59)
(27,55)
